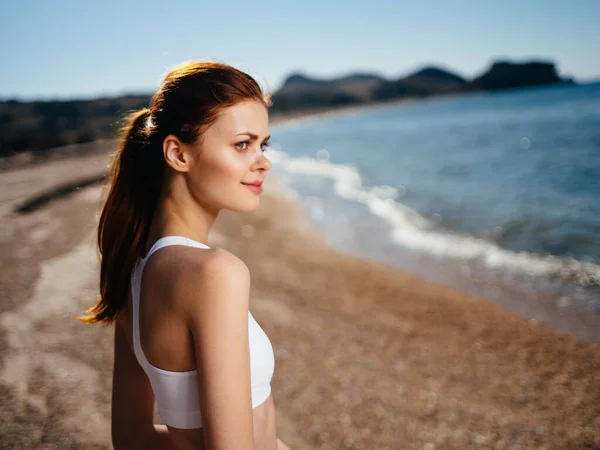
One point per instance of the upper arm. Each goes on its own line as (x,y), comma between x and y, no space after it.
(218,311)
(132,404)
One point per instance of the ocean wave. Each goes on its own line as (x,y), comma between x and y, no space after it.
(413,231)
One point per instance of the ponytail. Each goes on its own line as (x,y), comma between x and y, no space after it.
(135,178)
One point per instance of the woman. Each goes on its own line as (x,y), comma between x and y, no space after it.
(184,335)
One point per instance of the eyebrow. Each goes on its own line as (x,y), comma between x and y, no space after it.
(253,136)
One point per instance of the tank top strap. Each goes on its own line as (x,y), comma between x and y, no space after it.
(136,282)
(172,240)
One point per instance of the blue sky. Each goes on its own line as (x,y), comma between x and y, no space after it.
(78,48)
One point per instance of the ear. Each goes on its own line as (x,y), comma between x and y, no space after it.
(175,154)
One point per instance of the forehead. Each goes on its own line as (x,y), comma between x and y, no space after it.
(249,116)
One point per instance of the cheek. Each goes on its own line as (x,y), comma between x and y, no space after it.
(218,174)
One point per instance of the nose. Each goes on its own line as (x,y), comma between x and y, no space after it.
(262,162)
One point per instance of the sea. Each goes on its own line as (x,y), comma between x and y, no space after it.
(494,193)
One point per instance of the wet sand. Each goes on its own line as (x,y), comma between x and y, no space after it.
(366,356)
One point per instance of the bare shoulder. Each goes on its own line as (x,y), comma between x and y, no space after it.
(220,262)
(189,265)
(199,278)
(216,267)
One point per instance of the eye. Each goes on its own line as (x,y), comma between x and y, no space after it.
(265,146)
(242,145)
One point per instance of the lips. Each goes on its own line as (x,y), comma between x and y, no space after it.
(256,186)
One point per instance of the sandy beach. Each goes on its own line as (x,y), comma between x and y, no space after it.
(366,356)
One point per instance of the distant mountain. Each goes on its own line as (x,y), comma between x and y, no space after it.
(360,85)
(300,91)
(300,82)
(507,75)
(425,82)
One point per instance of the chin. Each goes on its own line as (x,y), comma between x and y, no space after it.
(245,207)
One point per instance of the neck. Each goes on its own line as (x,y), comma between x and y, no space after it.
(180,218)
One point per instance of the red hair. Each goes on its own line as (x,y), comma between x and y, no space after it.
(187,102)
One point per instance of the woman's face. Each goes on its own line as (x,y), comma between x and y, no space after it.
(231,153)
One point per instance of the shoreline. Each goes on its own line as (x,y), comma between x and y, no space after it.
(367,355)
(533,297)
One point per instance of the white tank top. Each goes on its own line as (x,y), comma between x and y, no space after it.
(176,393)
